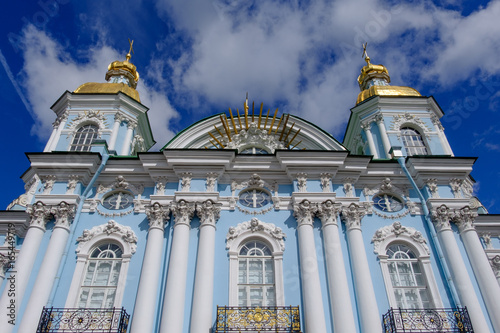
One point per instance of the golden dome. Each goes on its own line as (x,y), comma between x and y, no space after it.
(107,88)
(123,67)
(386,91)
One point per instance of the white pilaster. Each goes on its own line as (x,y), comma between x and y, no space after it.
(114,133)
(145,304)
(442,137)
(51,139)
(340,299)
(50,265)
(201,314)
(21,272)
(58,133)
(485,277)
(172,318)
(369,136)
(441,217)
(363,285)
(128,137)
(383,134)
(311,289)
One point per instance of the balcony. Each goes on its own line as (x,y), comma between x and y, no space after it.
(427,320)
(62,320)
(279,319)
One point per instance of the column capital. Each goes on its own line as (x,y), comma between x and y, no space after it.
(326,179)
(5,264)
(301,181)
(183,212)
(186,181)
(131,124)
(40,214)
(367,125)
(160,185)
(304,212)
(210,182)
(208,212)
(379,118)
(441,217)
(63,213)
(328,212)
(464,218)
(352,215)
(119,117)
(157,215)
(495,265)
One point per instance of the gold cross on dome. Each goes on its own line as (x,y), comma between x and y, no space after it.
(365,54)
(131,50)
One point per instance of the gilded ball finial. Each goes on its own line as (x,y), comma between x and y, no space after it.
(131,50)
(365,54)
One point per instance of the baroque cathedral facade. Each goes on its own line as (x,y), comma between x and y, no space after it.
(248,221)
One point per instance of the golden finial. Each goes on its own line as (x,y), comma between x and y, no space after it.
(365,54)
(246,104)
(131,50)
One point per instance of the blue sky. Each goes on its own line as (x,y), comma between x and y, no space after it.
(197,58)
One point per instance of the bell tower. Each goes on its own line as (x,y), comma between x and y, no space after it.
(388,116)
(109,111)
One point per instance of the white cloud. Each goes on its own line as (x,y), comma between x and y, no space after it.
(49,70)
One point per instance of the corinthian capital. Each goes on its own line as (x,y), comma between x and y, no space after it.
(441,217)
(157,215)
(304,212)
(208,212)
(183,212)
(40,214)
(64,214)
(328,212)
(464,218)
(352,215)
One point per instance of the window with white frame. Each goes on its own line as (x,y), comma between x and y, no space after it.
(407,278)
(256,285)
(413,141)
(84,137)
(406,267)
(99,286)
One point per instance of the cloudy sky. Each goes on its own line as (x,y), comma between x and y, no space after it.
(199,57)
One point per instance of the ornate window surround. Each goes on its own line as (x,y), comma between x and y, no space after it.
(267,233)
(398,234)
(111,232)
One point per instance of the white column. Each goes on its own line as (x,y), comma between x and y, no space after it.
(311,289)
(485,277)
(21,272)
(442,137)
(114,133)
(369,136)
(383,134)
(128,137)
(145,303)
(441,217)
(52,136)
(172,318)
(363,285)
(201,314)
(49,267)
(58,133)
(340,299)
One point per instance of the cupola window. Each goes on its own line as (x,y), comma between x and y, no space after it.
(84,137)
(413,142)
(254,198)
(387,203)
(118,200)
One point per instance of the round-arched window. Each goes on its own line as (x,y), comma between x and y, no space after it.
(254,198)
(118,200)
(84,137)
(387,203)
(413,142)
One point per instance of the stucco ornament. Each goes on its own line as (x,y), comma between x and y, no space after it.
(406,118)
(210,182)
(160,185)
(48,183)
(352,215)
(397,230)
(441,217)
(326,180)
(328,212)
(112,227)
(40,214)
(208,212)
(456,186)
(254,137)
(255,225)
(72,182)
(433,188)
(495,265)
(183,212)
(186,181)
(121,183)
(157,215)
(304,212)
(302,181)
(464,218)
(90,116)
(64,214)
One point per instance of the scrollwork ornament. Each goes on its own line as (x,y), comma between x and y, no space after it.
(208,212)
(352,215)
(328,212)
(433,188)
(210,182)
(186,181)
(464,218)
(160,185)
(348,187)
(441,217)
(487,241)
(72,182)
(157,215)
(40,214)
(255,225)
(183,212)
(456,185)
(304,212)
(112,227)
(48,183)
(495,265)
(63,214)
(326,179)
(302,181)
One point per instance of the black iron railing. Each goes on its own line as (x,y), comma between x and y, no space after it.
(62,320)
(278,319)
(427,320)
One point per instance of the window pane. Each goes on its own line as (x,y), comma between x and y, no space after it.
(269,271)
(102,275)
(270,296)
(84,295)
(242,271)
(242,296)
(255,271)
(256,296)
(113,281)
(96,297)
(110,298)
(90,274)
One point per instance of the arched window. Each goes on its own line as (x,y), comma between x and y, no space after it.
(413,142)
(99,286)
(84,137)
(407,278)
(256,285)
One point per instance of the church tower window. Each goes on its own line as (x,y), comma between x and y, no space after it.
(84,137)
(413,141)
(99,286)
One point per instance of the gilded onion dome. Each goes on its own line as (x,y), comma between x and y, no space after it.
(374,81)
(122,76)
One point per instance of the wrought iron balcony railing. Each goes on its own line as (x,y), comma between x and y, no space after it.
(62,320)
(278,319)
(427,320)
